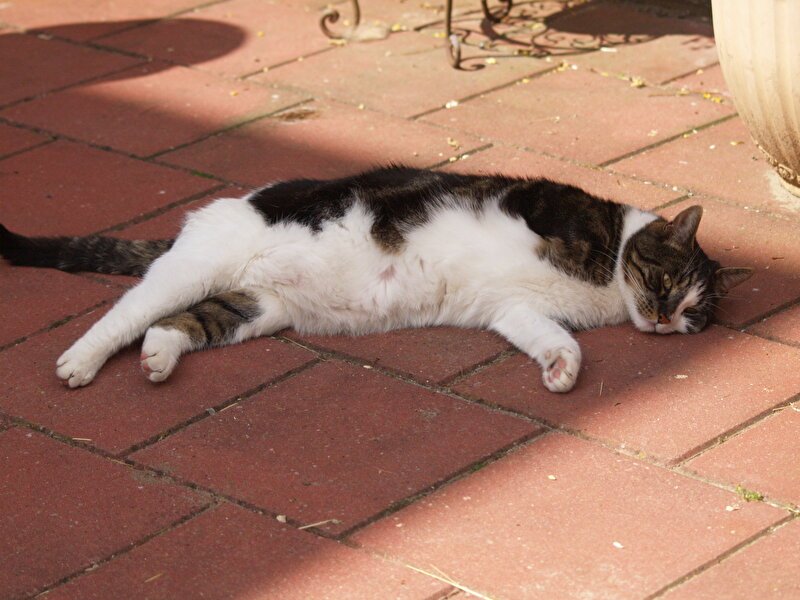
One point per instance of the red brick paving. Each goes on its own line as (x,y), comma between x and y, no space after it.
(359,74)
(375,441)
(784,327)
(70,21)
(579,115)
(71,509)
(15,139)
(762,459)
(73,189)
(232,38)
(318,140)
(722,162)
(521,541)
(647,46)
(764,570)
(41,65)
(35,291)
(150,109)
(708,80)
(665,397)
(564,515)
(244,555)
(430,355)
(123,408)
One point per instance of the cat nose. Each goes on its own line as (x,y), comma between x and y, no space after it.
(664,319)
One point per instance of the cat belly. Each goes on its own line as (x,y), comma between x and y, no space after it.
(453,270)
(339,280)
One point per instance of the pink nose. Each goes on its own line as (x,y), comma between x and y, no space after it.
(664,319)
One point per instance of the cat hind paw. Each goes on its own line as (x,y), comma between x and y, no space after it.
(561,371)
(160,352)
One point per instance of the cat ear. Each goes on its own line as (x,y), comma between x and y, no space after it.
(728,278)
(684,225)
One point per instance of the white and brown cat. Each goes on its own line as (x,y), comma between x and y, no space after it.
(392,248)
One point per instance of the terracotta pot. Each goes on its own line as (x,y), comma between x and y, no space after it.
(759,50)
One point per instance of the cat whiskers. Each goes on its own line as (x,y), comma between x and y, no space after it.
(634,283)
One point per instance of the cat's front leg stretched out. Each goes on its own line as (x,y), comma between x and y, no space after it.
(543,339)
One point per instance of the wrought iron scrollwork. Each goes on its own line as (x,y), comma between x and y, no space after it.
(331,15)
(498,14)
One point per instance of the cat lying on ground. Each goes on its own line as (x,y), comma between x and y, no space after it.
(392,248)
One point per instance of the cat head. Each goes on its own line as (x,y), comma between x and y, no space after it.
(670,283)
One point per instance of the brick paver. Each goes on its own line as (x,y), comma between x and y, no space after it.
(665,397)
(423,354)
(722,162)
(648,46)
(435,449)
(123,408)
(515,540)
(41,65)
(233,38)
(376,442)
(231,553)
(15,139)
(35,291)
(318,140)
(67,510)
(70,21)
(151,109)
(784,327)
(762,459)
(359,75)
(763,570)
(72,189)
(580,115)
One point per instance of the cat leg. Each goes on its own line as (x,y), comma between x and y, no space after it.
(174,281)
(543,339)
(225,318)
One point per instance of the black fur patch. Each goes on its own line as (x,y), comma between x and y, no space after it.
(581,231)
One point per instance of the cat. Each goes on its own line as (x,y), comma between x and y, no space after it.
(390,248)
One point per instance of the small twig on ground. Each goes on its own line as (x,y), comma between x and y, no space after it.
(443,577)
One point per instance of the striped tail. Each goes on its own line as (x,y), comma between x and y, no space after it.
(92,253)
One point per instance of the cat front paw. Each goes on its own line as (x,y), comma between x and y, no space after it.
(160,352)
(561,370)
(77,368)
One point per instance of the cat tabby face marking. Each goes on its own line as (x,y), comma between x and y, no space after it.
(672,285)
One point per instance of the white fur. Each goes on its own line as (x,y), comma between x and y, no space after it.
(678,323)
(458,269)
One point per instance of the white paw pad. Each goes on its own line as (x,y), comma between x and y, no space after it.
(77,368)
(562,368)
(160,352)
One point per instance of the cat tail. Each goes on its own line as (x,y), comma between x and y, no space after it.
(93,253)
